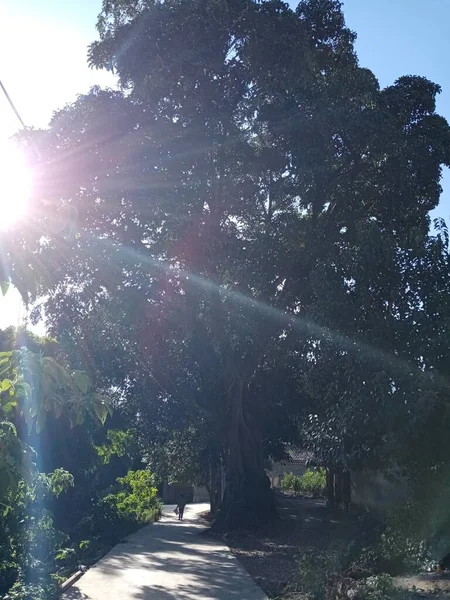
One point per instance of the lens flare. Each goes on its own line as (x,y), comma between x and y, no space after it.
(15,185)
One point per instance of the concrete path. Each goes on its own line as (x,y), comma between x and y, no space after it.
(168,560)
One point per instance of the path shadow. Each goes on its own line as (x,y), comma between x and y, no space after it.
(74,593)
(183,593)
(166,561)
(194,565)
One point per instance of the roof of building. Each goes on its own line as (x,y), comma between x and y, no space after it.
(297,455)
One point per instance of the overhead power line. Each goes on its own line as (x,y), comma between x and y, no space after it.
(16,112)
(11,103)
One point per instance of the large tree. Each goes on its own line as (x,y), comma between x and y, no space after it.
(213,197)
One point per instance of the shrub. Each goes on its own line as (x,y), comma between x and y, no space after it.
(401,542)
(316,571)
(138,498)
(311,483)
(402,547)
(297,487)
(31,542)
(34,591)
(321,575)
(379,587)
(135,501)
(287,483)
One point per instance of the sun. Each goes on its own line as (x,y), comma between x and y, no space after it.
(15,185)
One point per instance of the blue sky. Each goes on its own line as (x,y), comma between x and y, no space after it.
(43,45)
(406,37)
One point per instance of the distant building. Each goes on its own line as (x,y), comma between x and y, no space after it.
(170,492)
(297,462)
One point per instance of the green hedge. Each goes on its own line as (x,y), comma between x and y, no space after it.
(311,483)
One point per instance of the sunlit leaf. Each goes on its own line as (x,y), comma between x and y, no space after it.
(5,385)
(23,389)
(101,411)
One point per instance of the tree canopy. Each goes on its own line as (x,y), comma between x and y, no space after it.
(245,253)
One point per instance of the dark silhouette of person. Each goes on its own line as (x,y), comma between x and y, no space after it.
(181,506)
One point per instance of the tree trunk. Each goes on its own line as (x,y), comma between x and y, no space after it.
(331,499)
(248,499)
(214,488)
(338,488)
(346,489)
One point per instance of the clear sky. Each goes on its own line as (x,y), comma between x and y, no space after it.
(43,47)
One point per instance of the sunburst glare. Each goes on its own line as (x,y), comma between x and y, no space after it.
(15,186)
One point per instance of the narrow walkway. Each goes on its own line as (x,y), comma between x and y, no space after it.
(168,560)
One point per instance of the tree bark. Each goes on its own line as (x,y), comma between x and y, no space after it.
(346,489)
(214,488)
(248,499)
(331,499)
(338,488)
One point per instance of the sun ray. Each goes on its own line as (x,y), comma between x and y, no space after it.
(15,185)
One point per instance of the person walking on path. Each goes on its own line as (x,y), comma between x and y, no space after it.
(181,506)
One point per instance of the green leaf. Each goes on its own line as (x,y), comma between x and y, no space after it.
(80,416)
(77,414)
(9,406)
(82,381)
(4,286)
(101,411)
(65,553)
(5,385)
(10,460)
(84,544)
(23,390)
(58,407)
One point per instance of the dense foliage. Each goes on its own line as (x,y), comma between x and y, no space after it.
(137,498)
(60,504)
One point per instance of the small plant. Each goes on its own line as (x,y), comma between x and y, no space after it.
(297,487)
(287,483)
(313,482)
(34,591)
(316,572)
(84,545)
